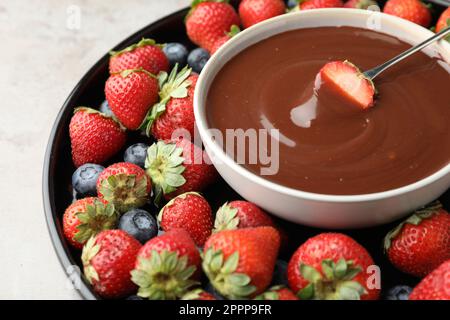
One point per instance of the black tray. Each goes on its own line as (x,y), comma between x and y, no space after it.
(58,166)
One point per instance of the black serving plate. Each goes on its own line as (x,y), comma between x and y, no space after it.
(58,166)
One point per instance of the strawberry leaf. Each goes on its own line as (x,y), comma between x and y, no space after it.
(415,219)
(144,42)
(96,218)
(271,293)
(164,165)
(307,292)
(335,284)
(125,191)
(328,268)
(172,86)
(234,30)
(192,295)
(268,295)
(90,250)
(350,290)
(195,3)
(310,273)
(223,275)
(226,218)
(164,275)
(340,269)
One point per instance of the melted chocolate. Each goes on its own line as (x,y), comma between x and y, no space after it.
(330,146)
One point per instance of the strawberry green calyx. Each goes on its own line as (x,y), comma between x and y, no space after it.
(164,166)
(334,283)
(171,202)
(192,295)
(270,294)
(89,110)
(92,111)
(234,30)
(415,219)
(223,275)
(226,218)
(90,250)
(124,191)
(96,218)
(195,3)
(163,276)
(144,42)
(126,73)
(364,4)
(173,85)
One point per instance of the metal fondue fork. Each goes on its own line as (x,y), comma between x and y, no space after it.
(372,73)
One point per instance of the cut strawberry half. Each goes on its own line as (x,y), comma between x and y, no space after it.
(349,82)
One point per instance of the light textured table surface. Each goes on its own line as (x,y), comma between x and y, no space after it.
(44,54)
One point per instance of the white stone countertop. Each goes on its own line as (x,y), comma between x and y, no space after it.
(42,57)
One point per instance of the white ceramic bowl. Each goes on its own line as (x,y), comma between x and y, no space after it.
(326,211)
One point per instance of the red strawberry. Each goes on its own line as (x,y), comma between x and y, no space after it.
(124,184)
(175,111)
(108,259)
(166,266)
(239,215)
(360,4)
(87,217)
(240,263)
(198,294)
(277,293)
(331,266)
(412,10)
(435,286)
(209,20)
(221,41)
(130,94)
(94,137)
(191,212)
(178,166)
(145,54)
(348,81)
(253,11)
(318,4)
(444,20)
(420,243)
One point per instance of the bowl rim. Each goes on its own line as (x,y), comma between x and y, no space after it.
(51,215)
(203,87)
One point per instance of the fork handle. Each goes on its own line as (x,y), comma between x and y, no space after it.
(372,73)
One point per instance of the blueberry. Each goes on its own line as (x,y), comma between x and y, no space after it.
(291,3)
(399,293)
(197,59)
(139,224)
(134,297)
(84,179)
(136,154)
(176,53)
(280,273)
(106,109)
